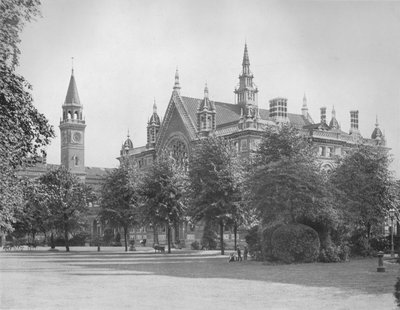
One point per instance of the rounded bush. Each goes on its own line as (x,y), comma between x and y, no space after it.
(295,243)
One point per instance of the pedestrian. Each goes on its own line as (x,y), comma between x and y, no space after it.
(231,257)
(239,254)
(245,252)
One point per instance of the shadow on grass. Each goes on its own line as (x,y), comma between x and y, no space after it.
(358,274)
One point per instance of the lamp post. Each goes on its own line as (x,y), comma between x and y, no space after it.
(391,215)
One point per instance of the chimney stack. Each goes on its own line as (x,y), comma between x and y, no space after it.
(353,121)
(323,115)
(278,110)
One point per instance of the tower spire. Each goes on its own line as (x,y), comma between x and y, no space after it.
(72,97)
(246,60)
(246,91)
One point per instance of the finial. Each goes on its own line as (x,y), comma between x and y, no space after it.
(72,65)
(128,133)
(206,91)
(176,85)
(154,106)
(376,123)
(333,111)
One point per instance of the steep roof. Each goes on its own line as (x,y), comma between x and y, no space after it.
(72,93)
(228,113)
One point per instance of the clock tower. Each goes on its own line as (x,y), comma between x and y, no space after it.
(72,130)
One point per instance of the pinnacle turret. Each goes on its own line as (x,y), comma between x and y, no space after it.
(177,86)
(246,91)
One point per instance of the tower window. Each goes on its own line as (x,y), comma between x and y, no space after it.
(76,115)
(76,161)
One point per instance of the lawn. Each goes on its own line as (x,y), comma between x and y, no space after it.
(187,280)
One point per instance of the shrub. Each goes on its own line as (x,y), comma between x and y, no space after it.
(397,291)
(195,245)
(79,239)
(380,243)
(295,243)
(331,254)
(266,242)
(253,241)
(359,245)
(209,239)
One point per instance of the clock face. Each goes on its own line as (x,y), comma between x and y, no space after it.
(76,137)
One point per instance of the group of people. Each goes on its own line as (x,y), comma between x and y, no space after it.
(237,256)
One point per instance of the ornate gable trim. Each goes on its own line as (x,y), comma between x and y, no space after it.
(175,103)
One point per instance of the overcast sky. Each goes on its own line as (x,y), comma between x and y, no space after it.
(342,54)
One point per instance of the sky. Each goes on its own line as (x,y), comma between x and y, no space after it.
(342,54)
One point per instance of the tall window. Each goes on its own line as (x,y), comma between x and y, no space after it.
(178,152)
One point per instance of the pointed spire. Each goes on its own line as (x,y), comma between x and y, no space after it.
(177,86)
(246,60)
(333,112)
(72,93)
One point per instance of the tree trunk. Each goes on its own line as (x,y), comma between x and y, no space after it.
(169,238)
(155,240)
(125,237)
(221,237)
(66,237)
(52,245)
(177,239)
(235,235)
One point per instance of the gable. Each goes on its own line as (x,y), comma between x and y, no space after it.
(175,123)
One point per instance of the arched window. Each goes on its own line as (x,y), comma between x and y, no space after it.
(69,115)
(76,160)
(178,152)
(76,115)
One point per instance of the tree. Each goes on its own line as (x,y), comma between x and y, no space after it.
(34,217)
(67,200)
(214,171)
(285,184)
(24,132)
(119,198)
(161,191)
(369,189)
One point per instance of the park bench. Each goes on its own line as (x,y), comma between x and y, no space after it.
(159,248)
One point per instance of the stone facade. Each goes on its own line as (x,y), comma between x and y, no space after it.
(188,119)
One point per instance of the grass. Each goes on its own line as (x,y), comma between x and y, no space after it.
(188,281)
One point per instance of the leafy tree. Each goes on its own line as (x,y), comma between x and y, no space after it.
(285,184)
(67,200)
(368,186)
(161,191)
(23,130)
(34,217)
(119,199)
(214,175)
